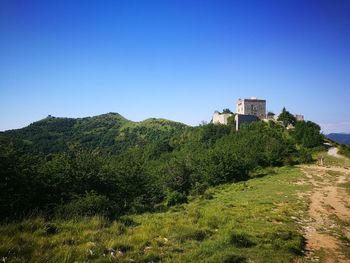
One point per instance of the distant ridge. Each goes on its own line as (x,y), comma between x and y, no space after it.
(109,132)
(342,138)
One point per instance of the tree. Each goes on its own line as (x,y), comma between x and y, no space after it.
(227,111)
(231,121)
(307,134)
(287,118)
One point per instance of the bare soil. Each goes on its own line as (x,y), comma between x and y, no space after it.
(327,230)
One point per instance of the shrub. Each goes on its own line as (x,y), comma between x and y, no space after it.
(208,195)
(304,156)
(174,198)
(308,134)
(199,188)
(89,205)
(344,150)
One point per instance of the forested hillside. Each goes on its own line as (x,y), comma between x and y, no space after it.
(109,133)
(107,165)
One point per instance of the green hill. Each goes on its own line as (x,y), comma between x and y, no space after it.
(155,177)
(109,132)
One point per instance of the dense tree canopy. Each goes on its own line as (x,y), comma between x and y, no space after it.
(287,118)
(308,134)
(109,166)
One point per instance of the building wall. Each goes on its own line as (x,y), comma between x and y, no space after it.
(299,117)
(252,107)
(244,118)
(221,118)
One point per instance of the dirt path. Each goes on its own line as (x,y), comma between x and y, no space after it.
(327,230)
(333,151)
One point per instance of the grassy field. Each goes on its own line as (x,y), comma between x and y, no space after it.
(253,221)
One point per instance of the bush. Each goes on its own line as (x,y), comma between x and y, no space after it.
(308,134)
(89,205)
(208,195)
(304,156)
(174,198)
(199,188)
(344,150)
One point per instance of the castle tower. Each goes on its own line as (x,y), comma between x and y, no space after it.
(252,106)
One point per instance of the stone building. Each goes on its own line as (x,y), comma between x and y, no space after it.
(252,106)
(221,118)
(244,118)
(299,117)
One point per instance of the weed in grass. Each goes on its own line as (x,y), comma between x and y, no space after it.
(194,234)
(241,240)
(127,221)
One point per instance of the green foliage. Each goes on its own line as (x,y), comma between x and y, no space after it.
(305,155)
(147,166)
(88,205)
(227,111)
(244,222)
(287,118)
(20,186)
(308,134)
(231,121)
(109,133)
(344,150)
(175,198)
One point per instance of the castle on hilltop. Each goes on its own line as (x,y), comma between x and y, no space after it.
(247,110)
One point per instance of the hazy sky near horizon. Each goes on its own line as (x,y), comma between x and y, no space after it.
(179,60)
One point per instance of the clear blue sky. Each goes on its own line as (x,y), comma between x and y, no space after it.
(179,60)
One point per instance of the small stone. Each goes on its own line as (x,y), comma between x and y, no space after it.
(147,248)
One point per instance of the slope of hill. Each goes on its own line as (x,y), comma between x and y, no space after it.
(157,188)
(342,138)
(109,132)
(277,216)
(244,222)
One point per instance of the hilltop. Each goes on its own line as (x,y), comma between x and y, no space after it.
(109,132)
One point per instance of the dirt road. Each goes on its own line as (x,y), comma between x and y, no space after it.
(327,228)
(333,151)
